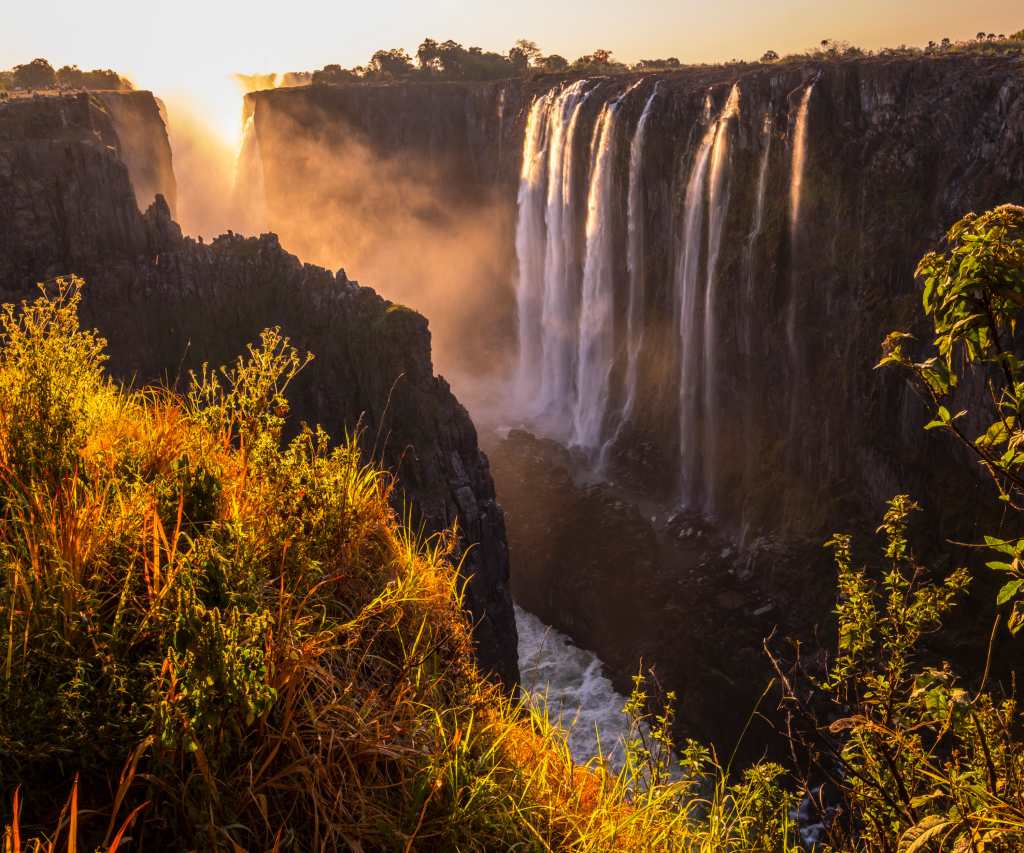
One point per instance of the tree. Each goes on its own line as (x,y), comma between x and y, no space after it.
(524,53)
(331,75)
(447,58)
(37,74)
(395,62)
(770,56)
(974,293)
(553,63)
(1018,36)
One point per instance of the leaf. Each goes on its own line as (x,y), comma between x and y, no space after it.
(1009,591)
(1000,545)
(1016,617)
(918,836)
(994,436)
(1000,567)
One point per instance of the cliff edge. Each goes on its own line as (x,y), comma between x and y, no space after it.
(168,305)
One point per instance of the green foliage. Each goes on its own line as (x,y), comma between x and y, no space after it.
(50,375)
(333,75)
(657,64)
(72,75)
(37,74)
(919,760)
(974,292)
(553,63)
(393,63)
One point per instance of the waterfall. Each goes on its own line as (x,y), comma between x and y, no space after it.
(530,239)
(762,180)
(559,307)
(635,259)
(690,329)
(718,203)
(799,156)
(799,160)
(596,334)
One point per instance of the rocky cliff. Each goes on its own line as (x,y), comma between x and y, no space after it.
(167,304)
(800,431)
(778,213)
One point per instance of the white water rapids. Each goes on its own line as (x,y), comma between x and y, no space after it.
(578,696)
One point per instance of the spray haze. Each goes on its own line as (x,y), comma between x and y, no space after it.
(413,226)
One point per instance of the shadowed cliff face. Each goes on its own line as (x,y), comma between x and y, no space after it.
(167,304)
(137,122)
(782,420)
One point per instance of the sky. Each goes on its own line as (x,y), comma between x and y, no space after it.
(189,49)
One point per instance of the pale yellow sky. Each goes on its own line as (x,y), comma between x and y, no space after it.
(190,47)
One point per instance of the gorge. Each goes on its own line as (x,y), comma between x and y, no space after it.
(688,280)
(673,286)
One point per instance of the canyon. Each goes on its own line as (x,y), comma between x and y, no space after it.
(659,295)
(690,275)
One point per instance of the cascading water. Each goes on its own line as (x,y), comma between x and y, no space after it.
(718,203)
(558,314)
(690,311)
(799,156)
(762,180)
(796,181)
(747,317)
(596,341)
(635,259)
(530,240)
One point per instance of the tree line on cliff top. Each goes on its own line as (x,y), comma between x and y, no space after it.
(449,60)
(40,74)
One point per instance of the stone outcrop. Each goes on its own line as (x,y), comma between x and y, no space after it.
(135,123)
(167,304)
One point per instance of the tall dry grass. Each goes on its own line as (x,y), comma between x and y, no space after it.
(213,641)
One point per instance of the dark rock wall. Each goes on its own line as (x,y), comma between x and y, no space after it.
(139,136)
(167,304)
(809,435)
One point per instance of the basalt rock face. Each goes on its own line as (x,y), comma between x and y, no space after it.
(791,433)
(138,132)
(799,431)
(585,561)
(167,304)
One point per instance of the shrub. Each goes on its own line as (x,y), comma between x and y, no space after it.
(37,74)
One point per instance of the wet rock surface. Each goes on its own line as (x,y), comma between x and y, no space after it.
(167,305)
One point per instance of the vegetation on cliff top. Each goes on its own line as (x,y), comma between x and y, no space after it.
(210,641)
(449,60)
(39,74)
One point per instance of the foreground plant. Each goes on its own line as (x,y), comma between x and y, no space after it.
(918,762)
(974,293)
(215,641)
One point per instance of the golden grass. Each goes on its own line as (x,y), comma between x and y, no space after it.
(247,639)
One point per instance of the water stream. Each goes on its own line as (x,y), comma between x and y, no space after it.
(577,695)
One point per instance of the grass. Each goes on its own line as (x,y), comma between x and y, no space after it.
(210,641)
